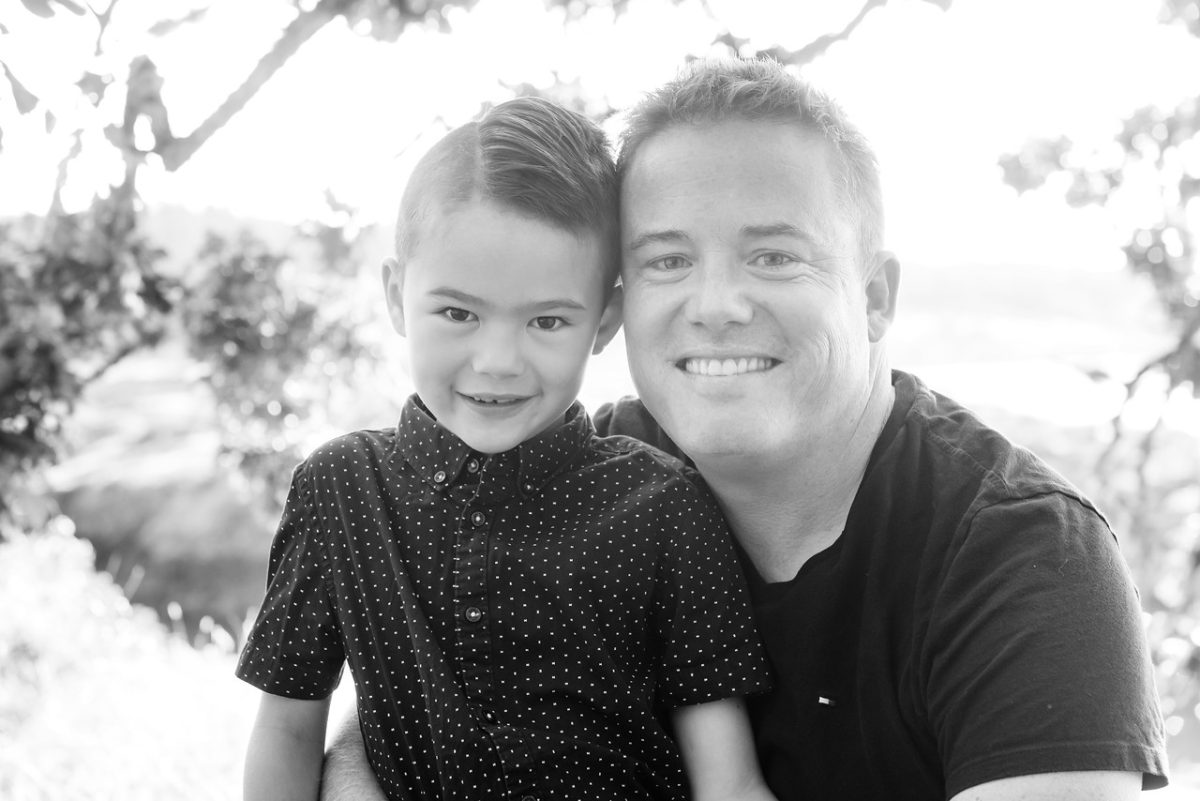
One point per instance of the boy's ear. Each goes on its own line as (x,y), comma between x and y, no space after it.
(610,321)
(393,292)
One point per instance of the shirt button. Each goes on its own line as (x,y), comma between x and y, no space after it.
(439,477)
(473,614)
(473,466)
(478,519)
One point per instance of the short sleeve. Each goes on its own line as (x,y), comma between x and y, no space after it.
(1037,659)
(294,648)
(710,647)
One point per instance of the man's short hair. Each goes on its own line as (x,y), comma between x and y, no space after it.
(527,155)
(709,91)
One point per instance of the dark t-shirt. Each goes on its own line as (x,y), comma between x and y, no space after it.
(518,624)
(974,621)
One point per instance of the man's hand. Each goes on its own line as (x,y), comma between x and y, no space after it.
(347,775)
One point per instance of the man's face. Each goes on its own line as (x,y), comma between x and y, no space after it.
(746,312)
(500,312)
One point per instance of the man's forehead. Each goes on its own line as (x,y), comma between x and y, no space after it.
(730,137)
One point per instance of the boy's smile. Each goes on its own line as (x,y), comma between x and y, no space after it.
(501,311)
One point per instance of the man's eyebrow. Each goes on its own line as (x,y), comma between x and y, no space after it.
(778,229)
(652,237)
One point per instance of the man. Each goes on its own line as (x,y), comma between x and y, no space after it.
(946,617)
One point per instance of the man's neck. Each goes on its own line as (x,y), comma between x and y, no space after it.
(782,514)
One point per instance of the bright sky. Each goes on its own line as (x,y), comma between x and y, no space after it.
(940,94)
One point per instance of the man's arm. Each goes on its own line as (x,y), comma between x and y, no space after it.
(348,776)
(283,759)
(1074,786)
(718,751)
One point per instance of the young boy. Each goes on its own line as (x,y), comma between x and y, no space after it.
(527,609)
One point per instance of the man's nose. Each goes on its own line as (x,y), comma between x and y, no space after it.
(717,296)
(498,351)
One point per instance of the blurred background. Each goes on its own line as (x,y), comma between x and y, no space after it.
(195,197)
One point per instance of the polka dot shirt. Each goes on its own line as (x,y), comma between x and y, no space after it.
(517,625)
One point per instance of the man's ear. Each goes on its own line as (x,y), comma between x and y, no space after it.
(883,289)
(393,291)
(610,321)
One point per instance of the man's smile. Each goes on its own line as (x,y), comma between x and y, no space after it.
(727,366)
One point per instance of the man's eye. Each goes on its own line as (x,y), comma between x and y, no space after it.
(456,315)
(548,323)
(773,259)
(669,263)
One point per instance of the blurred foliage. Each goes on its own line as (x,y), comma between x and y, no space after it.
(273,344)
(1148,480)
(77,294)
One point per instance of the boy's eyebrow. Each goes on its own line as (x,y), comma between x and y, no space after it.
(458,295)
(652,237)
(466,298)
(556,303)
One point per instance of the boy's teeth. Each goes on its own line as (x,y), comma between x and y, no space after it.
(722,367)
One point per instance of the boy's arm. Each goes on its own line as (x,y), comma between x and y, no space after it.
(718,751)
(348,776)
(283,759)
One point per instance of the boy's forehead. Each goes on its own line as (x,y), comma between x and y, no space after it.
(480,223)
(502,251)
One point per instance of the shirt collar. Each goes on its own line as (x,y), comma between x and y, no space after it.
(442,459)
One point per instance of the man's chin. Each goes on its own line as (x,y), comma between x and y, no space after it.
(715,438)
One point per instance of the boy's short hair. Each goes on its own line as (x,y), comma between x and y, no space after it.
(528,155)
(709,91)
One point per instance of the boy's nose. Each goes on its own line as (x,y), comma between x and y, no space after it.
(497,353)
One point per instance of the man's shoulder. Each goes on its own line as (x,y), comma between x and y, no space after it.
(968,465)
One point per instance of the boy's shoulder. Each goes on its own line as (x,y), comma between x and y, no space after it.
(650,463)
(366,446)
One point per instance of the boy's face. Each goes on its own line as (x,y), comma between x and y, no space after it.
(500,311)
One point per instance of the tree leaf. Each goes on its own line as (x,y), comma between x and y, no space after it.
(92,86)
(26,100)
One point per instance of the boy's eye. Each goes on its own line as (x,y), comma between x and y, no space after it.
(456,315)
(548,323)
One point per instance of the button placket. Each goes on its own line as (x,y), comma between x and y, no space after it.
(470,604)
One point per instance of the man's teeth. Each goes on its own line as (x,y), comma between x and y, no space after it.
(719,367)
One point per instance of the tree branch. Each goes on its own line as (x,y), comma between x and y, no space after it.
(822,43)
(177,151)
(1182,344)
